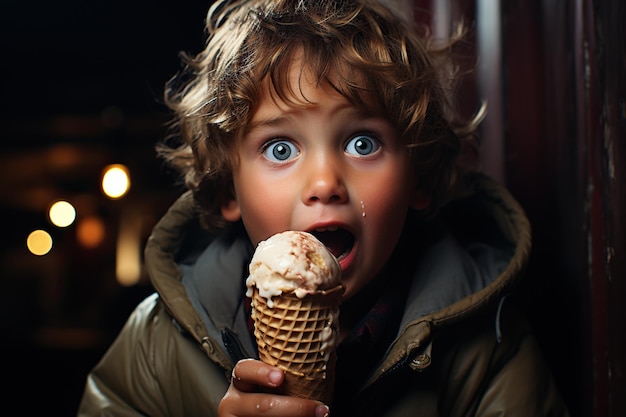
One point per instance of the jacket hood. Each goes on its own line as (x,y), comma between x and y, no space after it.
(470,268)
(481,244)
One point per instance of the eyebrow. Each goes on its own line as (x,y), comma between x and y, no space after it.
(271,121)
(358,112)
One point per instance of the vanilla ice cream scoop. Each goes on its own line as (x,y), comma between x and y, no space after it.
(292,262)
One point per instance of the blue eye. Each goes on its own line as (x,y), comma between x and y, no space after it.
(362,145)
(280,151)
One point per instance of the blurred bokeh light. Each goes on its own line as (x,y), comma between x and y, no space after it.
(115,181)
(90,231)
(129,246)
(39,242)
(62,214)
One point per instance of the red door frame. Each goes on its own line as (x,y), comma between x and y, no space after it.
(565,90)
(563,147)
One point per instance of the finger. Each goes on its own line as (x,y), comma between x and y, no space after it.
(271,405)
(250,373)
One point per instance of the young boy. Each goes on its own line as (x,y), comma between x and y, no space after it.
(328,117)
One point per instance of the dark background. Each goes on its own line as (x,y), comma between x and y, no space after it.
(81,88)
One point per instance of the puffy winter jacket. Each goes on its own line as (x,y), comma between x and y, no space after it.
(462,349)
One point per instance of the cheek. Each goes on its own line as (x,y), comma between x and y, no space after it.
(386,195)
(385,216)
(263,206)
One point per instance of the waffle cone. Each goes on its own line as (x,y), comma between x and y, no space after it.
(293,335)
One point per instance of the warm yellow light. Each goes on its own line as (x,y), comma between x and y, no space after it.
(90,231)
(128,252)
(39,242)
(115,181)
(62,214)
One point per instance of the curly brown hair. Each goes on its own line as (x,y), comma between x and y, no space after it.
(359,48)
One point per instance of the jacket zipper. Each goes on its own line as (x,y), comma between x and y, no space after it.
(231,343)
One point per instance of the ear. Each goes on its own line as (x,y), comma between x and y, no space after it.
(420,200)
(231,211)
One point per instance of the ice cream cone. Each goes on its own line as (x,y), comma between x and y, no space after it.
(298,335)
(295,286)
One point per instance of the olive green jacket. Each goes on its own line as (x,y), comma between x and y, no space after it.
(462,348)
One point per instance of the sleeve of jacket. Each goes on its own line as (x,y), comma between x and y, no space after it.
(124,382)
(151,369)
(523,387)
(531,392)
(510,376)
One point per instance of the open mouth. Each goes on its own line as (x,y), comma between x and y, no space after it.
(338,241)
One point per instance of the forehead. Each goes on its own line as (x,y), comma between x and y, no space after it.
(301,82)
(297,85)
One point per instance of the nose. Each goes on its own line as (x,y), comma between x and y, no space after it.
(325,183)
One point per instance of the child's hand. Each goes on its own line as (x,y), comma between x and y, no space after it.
(252,392)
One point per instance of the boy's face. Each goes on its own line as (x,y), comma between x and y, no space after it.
(327,168)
